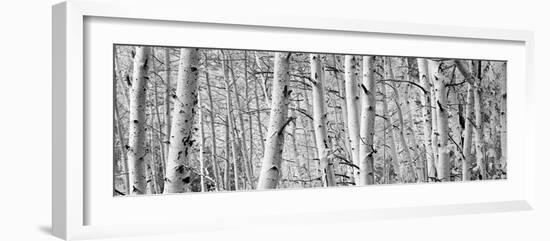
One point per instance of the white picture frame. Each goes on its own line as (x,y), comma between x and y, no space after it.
(76,199)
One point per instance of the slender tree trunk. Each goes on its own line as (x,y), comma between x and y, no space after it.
(366,148)
(344,107)
(443,165)
(270,173)
(201,147)
(227,154)
(479,122)
(427,117)
(405,163)
(320,121)
(418,160)
(123,159)
(232,137)
(136,141)
(167,95)
(159,185)
(214,154)
(182,123)
(244,153)
(352,99)
(389,127)
(259,116)
(467,146)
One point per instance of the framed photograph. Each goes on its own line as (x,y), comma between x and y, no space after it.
(170,122)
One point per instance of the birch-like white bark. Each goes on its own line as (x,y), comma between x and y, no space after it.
(320,120)
(427,116)
(366,148)
(271,164)
(352,99)
(136,128)
(467,146)
(181,139)
(443,165)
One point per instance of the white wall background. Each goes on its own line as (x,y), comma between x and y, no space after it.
(25,119)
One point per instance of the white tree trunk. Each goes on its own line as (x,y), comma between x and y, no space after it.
(183,116)
(320,121)
(352,100)
(271,164)
(167,94)
(467,146)
(366,148)
(427,116)
(443,165)
(201,147)
(136,128)
(479,122)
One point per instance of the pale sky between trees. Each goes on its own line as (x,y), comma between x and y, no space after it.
(207,120)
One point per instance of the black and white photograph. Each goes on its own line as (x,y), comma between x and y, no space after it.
(208,120)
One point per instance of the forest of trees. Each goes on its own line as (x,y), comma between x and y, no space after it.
(205,120)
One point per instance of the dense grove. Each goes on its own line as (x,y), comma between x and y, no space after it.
(200,120)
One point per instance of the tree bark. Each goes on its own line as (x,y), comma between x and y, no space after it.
(167,94)
(183,116)
(352,99)
(136,140)
(427,116)
(201,147)
(443,165)
(270,172)
(366,148)
(479,122)
(467,146)
(320,121)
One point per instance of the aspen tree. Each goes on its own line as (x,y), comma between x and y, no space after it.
(320,120)
(467,146)
(443,165)
(366,148)
(352,100)
(136,141)
(479,121)
(271,164)
(181,139)
(167,94)
(426,102)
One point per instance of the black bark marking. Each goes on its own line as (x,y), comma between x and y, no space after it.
(186,180)
(136,121)
(365,89)
(193,69)
(128,81)
(440,106)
